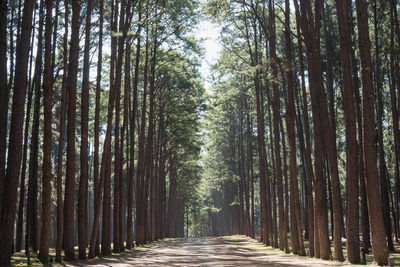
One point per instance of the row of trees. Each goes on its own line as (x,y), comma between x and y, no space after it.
(313,94)
(116,83)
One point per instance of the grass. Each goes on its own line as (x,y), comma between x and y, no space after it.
(20,259)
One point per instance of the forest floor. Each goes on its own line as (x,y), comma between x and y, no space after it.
(207,251)
(210,251)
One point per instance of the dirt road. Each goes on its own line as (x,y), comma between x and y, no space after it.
(209,251)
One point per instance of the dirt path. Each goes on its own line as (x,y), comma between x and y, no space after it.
(210,251)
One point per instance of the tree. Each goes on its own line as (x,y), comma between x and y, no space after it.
(83,181)
(69,199)
(313,236)
(353,247)
(3,91)
(117,88)
(47,140)
(379,246)
(60,204)
(97,186)
(130,181)
(31,238)
(277,151)
(10,180)
(296,231)
(308,27)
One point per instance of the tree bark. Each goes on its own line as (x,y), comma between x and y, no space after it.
(322,127)
(32,204)
(94,248)
(290,124)
(127,90)
(149,162)
(83,181)
(277,150)
(394,65)
(379,113)
(106,158)
(47,139)
(379,246)
(353,243)
(3,93)
(140,187)
(265,212)
(117,88)
(21,203)
(10,180)
(69,199)
(309,168)
(129,223)
(363,193)
(60,204)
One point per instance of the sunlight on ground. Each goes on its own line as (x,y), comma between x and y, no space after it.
(253,245)
(20,259)
(239,241)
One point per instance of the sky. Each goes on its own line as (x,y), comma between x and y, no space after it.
(209,32)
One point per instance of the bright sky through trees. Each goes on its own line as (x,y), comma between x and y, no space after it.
(209,32)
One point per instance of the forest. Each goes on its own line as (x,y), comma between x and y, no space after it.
(111,138)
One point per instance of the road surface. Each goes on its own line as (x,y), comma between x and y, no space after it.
(208,251)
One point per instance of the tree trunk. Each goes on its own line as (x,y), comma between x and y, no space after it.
(277,150)
(32,204)
(394,65)
(60,204)
(265,211)
(19,234)
(322,127)
(83,181)
(47,139)
(245,171)
(379,113)
(94,249)
(10,180)
(250,164)
(117,88)
(379,246)
(363,193)
(105,172)
(129,223)
(309,169)
(3,93)
(290,121)
(69,199)
(127,89)
(272,190)
(353,243)
(149,143)
(140,187)
(285,175)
